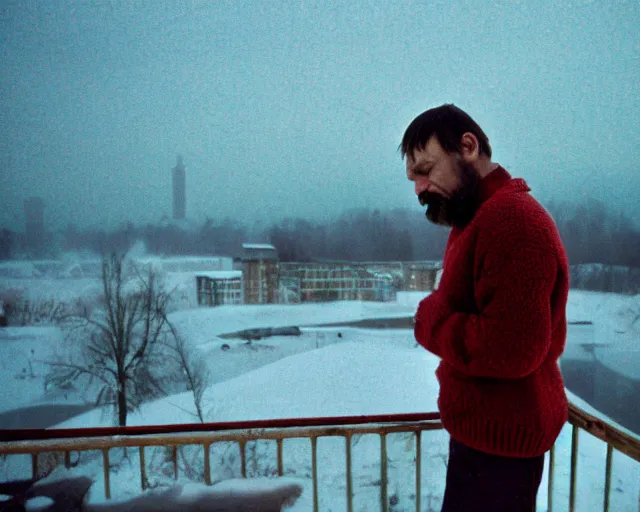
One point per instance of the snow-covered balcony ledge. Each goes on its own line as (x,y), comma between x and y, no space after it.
(65,441)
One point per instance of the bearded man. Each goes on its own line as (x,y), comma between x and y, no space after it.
(497,319)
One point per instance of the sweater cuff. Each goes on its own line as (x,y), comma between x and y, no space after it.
(432,312)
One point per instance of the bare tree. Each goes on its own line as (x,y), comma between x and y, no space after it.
(119,344)
(194,369)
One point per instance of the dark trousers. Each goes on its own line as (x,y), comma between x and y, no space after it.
(479,481)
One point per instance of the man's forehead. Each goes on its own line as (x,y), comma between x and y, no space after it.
(420,156)
(427,153)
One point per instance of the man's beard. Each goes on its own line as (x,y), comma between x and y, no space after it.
(458,209)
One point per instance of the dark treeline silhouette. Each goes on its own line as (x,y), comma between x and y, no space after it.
(360,235)
(594,234)
(357,235)
(591,232)
(210,238)
(6,243)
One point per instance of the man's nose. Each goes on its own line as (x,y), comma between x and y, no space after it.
(421,186)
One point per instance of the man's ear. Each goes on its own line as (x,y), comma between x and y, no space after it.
(469,147)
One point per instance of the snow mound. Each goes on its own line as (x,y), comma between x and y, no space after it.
(352,378)
(348,379)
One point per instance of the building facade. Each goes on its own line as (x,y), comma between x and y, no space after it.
(263,279)
(260,269)
(220,288)
(420,275)
(320,282)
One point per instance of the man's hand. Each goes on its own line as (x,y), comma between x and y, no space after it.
(432,311)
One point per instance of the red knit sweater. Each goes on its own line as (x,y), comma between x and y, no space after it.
(498,322)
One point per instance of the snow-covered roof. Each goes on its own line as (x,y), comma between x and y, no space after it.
(258,246)
(381,273)
(220,274)
(182,259)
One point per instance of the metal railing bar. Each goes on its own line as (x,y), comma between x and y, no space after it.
(143,469)
(314,472)
(243,458)
(82,444)
(384,501)
(574,466)
(34,465)
(625,442)
(418,470)
(207,464)
(614,438)
(607,479)
(105,466)
(66,433)
(174,457)
(347,440)
(280,465)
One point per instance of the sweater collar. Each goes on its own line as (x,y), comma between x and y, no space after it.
(493,182)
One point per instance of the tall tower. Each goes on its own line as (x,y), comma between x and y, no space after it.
(34,224)
(179,190)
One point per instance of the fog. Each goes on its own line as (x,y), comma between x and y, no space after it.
(297,109)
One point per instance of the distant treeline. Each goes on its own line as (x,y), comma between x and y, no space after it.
(605,278)
(592,233)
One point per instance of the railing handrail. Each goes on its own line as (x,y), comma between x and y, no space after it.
(623,441)
(8,435)
(38,442)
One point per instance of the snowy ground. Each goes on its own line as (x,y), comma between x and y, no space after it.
(358,376)
(24,350)
(21,372)
(362,371)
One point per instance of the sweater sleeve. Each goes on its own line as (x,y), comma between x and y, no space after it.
(511,334)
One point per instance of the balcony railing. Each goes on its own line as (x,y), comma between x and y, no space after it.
(66,441)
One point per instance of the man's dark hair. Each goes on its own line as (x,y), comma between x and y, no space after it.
(448,123)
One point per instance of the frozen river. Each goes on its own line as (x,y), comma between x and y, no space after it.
(40,416)
(604,377)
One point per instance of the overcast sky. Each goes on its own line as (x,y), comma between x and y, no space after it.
(297,108)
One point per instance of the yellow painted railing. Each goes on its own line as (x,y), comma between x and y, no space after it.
(36,442)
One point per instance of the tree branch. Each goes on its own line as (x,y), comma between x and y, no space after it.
(77,368)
